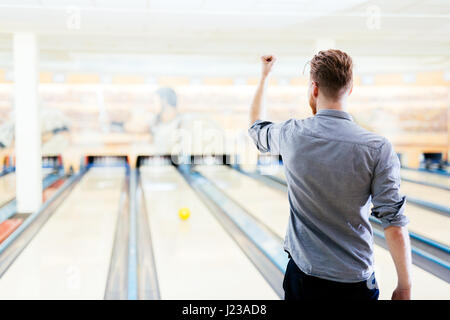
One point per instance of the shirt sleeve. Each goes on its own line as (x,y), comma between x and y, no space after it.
(388,204)
(266,135)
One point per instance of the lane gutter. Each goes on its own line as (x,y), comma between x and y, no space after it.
(117,281)
(428,184)
(8,209)
(11,248)
(132,287)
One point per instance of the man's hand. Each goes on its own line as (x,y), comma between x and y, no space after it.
(401,294)
(267,63)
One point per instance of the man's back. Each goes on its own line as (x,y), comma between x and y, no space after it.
(332,167)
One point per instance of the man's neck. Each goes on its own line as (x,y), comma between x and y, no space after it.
(327,107)
(340,105)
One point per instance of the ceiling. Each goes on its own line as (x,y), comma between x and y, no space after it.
(225,37)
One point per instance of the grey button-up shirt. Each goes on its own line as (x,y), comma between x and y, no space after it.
(334,170)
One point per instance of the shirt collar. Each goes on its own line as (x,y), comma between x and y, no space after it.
(334,113)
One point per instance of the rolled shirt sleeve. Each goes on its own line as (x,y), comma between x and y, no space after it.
(388,204)
(267,136)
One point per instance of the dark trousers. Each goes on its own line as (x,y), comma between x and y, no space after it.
(299,286)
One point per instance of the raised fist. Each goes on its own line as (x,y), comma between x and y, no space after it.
(267,63)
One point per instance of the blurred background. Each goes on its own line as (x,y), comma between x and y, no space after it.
(120,82)
(100,63)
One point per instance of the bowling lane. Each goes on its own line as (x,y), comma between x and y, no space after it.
(429,224)
(422,221)
(426,193)
(69,257)
(196,258)
(272,208)
(254,196)
(7,188)
(280,174)
(427,177)
(8,185)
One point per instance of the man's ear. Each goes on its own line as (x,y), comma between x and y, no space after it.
(351,90)
(315,90)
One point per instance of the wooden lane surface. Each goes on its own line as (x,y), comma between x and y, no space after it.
(195,258)
(69,257)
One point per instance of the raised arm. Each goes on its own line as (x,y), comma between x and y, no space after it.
(257,108)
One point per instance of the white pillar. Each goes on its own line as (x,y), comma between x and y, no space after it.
(28,123)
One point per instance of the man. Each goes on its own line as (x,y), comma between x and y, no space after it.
(334,170)
(176,132)
(167,121)
(163,126)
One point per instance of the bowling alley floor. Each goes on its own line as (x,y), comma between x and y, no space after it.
(271,206)
(69,256)
(105,241)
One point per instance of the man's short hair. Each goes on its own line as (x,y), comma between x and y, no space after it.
(332,70)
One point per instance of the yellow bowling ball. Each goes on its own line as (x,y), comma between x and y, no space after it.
(184,213)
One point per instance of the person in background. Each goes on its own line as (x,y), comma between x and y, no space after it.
(174,132)
(334,171)
(167,121)
(161,125)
